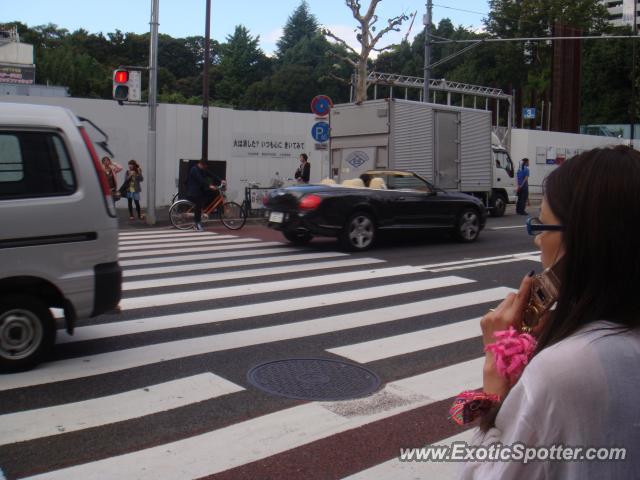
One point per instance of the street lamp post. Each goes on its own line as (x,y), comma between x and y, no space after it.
(151,134)
(633,75)
(427,50)
(205,86)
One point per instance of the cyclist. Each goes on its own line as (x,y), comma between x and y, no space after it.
(202,188)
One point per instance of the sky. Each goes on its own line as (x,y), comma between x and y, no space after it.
(183,18)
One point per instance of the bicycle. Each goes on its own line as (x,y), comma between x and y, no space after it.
(250,198)
(231,214)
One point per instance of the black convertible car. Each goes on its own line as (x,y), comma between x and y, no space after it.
(357,209)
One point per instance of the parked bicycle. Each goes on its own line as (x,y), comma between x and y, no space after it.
(230,214)
(253,193)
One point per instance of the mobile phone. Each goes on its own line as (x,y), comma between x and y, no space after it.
(544,294)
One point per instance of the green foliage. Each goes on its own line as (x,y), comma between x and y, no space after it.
(306,64)
(242,63)
(606,81)
(300,25)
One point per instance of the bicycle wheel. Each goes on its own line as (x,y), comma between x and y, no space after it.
(232,215)
(181,215)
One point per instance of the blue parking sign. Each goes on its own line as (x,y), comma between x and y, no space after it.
(320,132)
(529,113)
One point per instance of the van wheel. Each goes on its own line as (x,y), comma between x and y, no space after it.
(468,226)
(27,332)
(359,233)
(498,205)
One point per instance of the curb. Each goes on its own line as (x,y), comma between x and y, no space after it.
(162,220)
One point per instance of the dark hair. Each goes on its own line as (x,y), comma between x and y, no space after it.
(106,158)
(304,155)
(525,161)
(134,163)
(596,196)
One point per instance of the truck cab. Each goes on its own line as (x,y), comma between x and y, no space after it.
(503,190)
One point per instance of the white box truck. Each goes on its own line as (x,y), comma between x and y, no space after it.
(451,147)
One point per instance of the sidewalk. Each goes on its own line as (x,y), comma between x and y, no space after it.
(162,220)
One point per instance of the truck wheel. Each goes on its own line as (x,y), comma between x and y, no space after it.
(359,233)
(468,226)
(27,332)
(297,238)
(498,204)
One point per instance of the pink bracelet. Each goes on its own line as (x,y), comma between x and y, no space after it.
(470,405)
(512,352)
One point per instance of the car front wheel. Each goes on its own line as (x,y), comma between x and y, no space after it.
(27,332)
(468,226)
(359,233)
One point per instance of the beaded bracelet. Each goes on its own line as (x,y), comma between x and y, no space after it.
(470,405)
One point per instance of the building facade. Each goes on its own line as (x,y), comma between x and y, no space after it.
(623,12)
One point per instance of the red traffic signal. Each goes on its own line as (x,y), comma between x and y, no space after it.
(120,76)
(127,85)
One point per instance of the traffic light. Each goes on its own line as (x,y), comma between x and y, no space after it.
(120,85)
(126,85)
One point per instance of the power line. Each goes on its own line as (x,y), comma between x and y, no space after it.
(460,9)
(536,39)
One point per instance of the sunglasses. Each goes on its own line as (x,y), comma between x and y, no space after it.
(535,226)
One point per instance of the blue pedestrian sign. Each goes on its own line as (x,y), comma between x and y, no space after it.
(529,113)
(320,132)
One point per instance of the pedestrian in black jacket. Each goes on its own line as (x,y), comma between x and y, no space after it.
(304,170)
(202,188)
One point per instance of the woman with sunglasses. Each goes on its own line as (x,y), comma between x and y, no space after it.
(576,381)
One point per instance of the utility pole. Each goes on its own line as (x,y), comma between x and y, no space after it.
(151,134)
(633,75)
(205,86)
(427,50)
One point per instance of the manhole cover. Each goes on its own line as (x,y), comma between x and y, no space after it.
(314,379)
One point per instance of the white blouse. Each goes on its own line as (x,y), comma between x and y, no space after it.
(582,392)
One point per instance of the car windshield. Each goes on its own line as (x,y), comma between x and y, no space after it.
(403,181)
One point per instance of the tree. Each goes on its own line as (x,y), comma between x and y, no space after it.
(606,80)
(526,66)
(368,39)
(300,25)
(242,64)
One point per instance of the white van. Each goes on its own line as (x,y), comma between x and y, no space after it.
(58,231)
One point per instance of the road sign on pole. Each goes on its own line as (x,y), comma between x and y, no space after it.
(320,132)
(529,113)
(320,105)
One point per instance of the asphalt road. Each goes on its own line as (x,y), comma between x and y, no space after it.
(161,390)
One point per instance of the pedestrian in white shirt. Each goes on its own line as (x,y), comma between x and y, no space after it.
(579,384)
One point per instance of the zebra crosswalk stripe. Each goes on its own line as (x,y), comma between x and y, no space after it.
(231,244)
(251,250)
(409,342)
(265,429)
(396,470)
(137,272)
(150,354)
(168,237)
(246,311)
(32,424)
(266,287)
(219,240)
(150,232)
(253,273)
(277,432)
